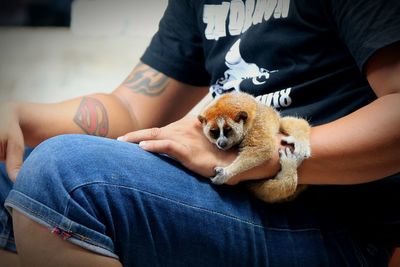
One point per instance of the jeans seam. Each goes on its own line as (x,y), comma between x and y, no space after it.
(8,240)
(229,216)
(358,254)
(54,224)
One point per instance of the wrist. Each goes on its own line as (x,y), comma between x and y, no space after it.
(9,113)
(20,113)
(267,170)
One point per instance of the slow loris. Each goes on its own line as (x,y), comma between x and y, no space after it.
(239,119)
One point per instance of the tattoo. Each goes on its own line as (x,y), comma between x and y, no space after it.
(146,80)
(92,117)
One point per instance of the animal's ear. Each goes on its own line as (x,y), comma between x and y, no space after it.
(241,116)
(202,119)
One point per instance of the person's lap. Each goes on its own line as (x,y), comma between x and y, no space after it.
(117,200)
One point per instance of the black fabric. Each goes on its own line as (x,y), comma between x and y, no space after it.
(304,57)
(176,49)
(366,26)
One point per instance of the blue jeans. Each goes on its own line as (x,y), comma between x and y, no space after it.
(117,200)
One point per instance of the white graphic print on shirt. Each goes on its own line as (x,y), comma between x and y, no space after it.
(238,71)
(241,17)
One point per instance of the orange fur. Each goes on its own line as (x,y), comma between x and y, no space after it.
(255,135)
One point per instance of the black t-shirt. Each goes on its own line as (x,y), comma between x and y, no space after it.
(304,57)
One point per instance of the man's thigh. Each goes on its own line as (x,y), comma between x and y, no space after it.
(115,199)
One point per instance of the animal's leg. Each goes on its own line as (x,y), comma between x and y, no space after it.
(283,186)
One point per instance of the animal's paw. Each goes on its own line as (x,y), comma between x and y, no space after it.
(301,148)
(287,158)
(221,176)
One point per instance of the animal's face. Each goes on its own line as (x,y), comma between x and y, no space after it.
(224,131)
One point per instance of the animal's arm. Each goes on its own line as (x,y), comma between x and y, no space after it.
(296,127)
(365,145)
(297,133)
(247,158)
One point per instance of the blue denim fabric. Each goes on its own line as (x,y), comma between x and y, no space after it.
(6,231)
(146,210)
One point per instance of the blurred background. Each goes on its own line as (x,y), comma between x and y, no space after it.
(51,50)
(35,13)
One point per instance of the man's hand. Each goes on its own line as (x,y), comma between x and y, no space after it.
(11,140)
(184,141)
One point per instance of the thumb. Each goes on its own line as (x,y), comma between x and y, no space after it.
(15,153)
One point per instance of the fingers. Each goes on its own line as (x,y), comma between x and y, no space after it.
(157,140)
(15,153)
(153,140)
(141,135)
(173,149)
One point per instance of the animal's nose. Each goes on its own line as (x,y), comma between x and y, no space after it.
(222,143)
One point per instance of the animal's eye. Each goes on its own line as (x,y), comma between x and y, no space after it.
(214,133)
(227,130)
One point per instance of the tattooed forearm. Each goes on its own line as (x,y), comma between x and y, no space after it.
(92,117)
(146,80)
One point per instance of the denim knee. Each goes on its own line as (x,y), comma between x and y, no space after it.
(6,232)
(44,175)
(46,183)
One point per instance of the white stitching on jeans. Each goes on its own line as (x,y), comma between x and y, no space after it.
(207,210)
